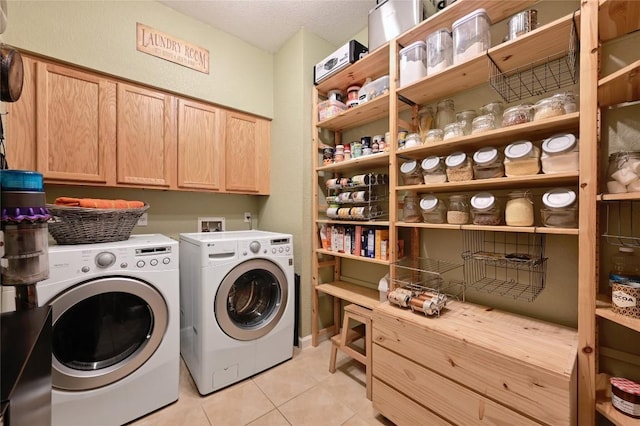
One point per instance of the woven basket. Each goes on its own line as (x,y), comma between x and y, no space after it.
(79,225)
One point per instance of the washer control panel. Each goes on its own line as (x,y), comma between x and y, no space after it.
(281,247)
(144,258)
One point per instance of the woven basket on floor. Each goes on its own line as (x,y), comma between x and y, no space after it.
(79,225)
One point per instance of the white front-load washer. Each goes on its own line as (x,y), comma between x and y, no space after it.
(237,300)
(115,338)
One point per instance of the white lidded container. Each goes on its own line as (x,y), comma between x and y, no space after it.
(413,62)
(487,163)
(485,209)
(521,158)
(433,170)
(411,173)
(560,154)
(560,208)
(433,209)
(439,51)
(459,167)
(471,36)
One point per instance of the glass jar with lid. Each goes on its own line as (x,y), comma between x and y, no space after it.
(425,120)
(519,209)
(568,100)
(439,50)
(434,135)
(458,212)
(433,209)
(411,209)
(483,123)
(453,130)
(560,208)
(412,140)
(521,158)
(433,170)
(560,154)
(547,108)
(485,209)
(517,115)
(445,113)
(459,167)
(495,108)
(487,163)
(465,118)
(623,173)
(411,173)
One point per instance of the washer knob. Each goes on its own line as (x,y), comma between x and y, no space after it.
(105,259)
(153,262)
(254,247)
(85,269)
(140,263)
(166,260)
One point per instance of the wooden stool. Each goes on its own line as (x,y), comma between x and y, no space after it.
(349,335)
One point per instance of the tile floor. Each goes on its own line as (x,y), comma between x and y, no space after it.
(299,392)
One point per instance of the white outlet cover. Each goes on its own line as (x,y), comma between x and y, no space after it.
(142,220)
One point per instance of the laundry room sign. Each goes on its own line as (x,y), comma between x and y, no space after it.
(161,45)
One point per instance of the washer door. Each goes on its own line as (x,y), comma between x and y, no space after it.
(103,330)
(251,299)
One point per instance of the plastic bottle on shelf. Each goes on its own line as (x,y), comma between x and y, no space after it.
(625,267)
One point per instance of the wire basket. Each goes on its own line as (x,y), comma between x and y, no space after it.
(79,225)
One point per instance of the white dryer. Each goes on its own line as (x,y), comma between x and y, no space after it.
(115,337)
(237,297)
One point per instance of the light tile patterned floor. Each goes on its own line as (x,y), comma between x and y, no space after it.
(299,392)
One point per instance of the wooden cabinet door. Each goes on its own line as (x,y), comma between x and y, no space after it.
(146,154)
(247,144)
(75,125)
(200,145)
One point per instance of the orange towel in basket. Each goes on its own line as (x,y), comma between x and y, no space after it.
(98,203)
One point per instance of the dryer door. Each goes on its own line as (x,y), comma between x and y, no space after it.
(103,330)
(251,299)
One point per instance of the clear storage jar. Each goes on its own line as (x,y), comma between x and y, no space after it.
(483,123)
(445,113)
(411,209)
(433,209)
(517,115)
(465,118)
(411,173)
(547,108)
(569,101)
(519,209)
(458,212)
(459,167)
(560,208)
(623,172)
(485,209)
(425,120)
(453,130)
(433,170)
(413,62)
(487,163)
(495,108)
(471,36)
(434,135)
(560,154)
(412,140)
(439,50)
(521,158)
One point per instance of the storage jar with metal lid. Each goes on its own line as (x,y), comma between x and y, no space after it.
(445,113)
(561,210)
(433,209)
(483,123)
(568,100)
(439,50)
(519,209)
(433,170)
(522,158)
(487,163)
(411,209)
(517,115)
(560,154)
(413,62)
(453,130)
(485,209)
(434,135)
(412,140)
(547,108)
(471,36)
(459,167)
(465,118)
(458,212)
(411,173)
(623,173)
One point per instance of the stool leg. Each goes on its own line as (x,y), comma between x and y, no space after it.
(332,360)
(368,349)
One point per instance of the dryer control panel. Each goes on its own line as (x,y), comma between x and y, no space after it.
(280,247)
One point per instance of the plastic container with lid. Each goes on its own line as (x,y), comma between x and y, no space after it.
(625,267)
(485,209)
(458,212)
(453,130)
(495,108)
(330,108)
(433,209)
(623,173)
(434,135)
(522,158)
(471,36)
(411,209)
(433,170)
(412,140)
(483,123)
(560,208)
(413,62)
(547,108)
(487,163)
(519,209)
(445,113)
(411,173)
(439,50)
(560,154)
(517,115)
(459,167)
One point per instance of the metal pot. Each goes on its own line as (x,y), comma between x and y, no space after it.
(11,74)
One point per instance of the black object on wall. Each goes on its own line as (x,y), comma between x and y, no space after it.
(296,322)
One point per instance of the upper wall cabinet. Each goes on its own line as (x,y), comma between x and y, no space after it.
(146,137)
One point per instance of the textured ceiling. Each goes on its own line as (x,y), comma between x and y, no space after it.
(268,24)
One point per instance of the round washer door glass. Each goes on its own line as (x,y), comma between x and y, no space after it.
(251,299)
(103,330)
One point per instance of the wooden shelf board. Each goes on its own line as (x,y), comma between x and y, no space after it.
(618,18)
(373,65)
(350,256)
(367,112)
(354,222)
(629,196)
(502,136)
(501,228)
(428,225)
(373,160)
(607,313)
(605,408)
(620,86)
(354,293)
